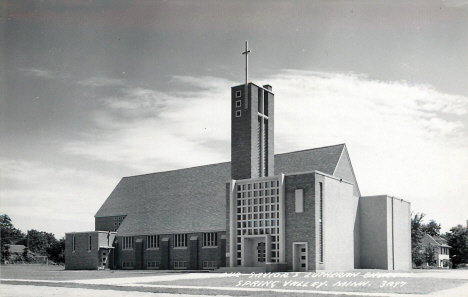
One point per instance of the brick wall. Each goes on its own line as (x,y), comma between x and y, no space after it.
(108,223)
(241,141)
(194,254)
(245,141)
(82,257)
(300,227)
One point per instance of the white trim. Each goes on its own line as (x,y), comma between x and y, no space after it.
(282,220)
(320,173)
(232,225)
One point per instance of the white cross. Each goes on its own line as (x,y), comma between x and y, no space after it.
(246,52)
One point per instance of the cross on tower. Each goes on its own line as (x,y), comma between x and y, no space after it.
(246,52)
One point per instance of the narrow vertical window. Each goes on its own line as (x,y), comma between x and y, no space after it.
(180,240)
(89,243)
(73,243)
(127,243)
(210,239)
(321,221)
(299,203)
(152,241)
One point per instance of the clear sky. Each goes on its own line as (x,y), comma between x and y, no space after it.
(92,91)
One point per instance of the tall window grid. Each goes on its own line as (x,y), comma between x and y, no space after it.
(210,239)
(152,241)
(258,212)
(180,240)
(127,242)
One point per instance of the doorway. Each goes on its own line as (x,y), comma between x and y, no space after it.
(255,250)
(300,252)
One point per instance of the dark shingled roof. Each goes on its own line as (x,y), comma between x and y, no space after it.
(194,199)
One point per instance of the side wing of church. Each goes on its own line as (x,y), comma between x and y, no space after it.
(298,211)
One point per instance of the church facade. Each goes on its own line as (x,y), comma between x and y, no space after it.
(298,211)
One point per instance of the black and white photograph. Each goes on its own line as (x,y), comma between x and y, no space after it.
(234,148)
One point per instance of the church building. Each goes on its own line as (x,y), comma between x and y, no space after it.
(297,211)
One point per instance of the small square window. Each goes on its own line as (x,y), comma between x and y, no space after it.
(303,265)
(238,103)
(238,113)
(238,94)
(303,250)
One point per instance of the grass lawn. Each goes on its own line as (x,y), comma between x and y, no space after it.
(58,273)
(408,285)
(388,282)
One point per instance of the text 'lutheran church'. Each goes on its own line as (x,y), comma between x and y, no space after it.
(298,211)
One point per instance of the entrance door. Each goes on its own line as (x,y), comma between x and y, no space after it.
(259,253)
(103,257)
(255,250)
(261,249)
(300,257)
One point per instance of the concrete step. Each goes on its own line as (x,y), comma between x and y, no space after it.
(245,270)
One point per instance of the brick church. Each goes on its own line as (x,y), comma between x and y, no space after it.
(297,211)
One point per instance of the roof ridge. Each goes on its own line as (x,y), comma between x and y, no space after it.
(173,170)
(217,164)
(311,149)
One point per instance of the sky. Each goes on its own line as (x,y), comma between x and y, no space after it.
(92,91)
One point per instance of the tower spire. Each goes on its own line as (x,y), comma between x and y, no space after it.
(246,53)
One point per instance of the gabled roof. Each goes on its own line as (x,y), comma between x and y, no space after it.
(434,240)
(175,201)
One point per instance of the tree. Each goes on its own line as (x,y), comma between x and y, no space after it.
(417,234)
(432,228)
(457,238)
(9,235)
(56,251)
(5,253)
(430,255)
(417,255)
(5,221)
(39,241)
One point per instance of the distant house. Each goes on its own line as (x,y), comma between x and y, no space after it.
(16,249)
(442,248)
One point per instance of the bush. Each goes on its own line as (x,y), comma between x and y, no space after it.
(447,264)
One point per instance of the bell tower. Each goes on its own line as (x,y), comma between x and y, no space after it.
(252,131)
